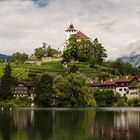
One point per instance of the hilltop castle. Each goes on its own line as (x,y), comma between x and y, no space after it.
(71,31)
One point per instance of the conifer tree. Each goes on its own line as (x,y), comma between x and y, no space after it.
(6,84)
(44,91)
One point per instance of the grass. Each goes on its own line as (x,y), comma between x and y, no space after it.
(53,67)
(22,71)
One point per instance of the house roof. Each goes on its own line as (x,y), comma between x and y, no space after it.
(114,81)
(125,79)
(81,36)
(28,83)
(109,82)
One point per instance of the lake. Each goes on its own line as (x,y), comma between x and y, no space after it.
(70,124)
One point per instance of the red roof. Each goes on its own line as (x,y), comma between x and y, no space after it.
(81,36)
(114,81)
(108,83)
(125,79)
(95,83)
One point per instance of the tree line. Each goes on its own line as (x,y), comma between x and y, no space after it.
(43,51)
(72,90)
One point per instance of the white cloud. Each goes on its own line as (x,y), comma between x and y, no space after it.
(24,24)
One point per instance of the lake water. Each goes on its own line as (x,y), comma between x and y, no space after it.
(70,124)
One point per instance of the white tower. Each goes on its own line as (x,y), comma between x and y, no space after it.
(70,31)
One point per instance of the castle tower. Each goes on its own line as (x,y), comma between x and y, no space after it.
(70,31)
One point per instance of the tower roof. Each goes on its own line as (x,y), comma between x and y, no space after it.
(71,28)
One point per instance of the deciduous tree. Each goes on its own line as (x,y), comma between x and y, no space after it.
(19,57)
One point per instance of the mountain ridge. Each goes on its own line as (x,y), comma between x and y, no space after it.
(133,59)
(4,57)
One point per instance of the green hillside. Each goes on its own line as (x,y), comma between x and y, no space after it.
(53,67)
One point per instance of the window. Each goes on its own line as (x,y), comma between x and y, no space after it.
(120,89)
(124,89)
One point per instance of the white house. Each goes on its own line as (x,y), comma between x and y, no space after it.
(125,85)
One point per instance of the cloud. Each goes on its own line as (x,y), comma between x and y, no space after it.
(25,24)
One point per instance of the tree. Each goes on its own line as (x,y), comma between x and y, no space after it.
(66,56)
(51,52)
(72,49)
(44,91)
(105,97)
(7,84)
(99,52)
(85,50)
(19,57)
(62,91)
(122,68)
(46,51)
(73,91)
(80,90)
(41,51)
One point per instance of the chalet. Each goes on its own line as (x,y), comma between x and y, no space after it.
(24,89)
(125,85)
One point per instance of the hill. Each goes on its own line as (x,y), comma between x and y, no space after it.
(55,68)
(4,57)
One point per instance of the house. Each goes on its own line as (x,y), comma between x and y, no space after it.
(72,31)
(125,85)
(24,89)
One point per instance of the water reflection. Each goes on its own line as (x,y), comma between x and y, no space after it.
(86,124)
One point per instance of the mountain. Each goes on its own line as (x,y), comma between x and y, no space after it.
(133,59)
(4,57)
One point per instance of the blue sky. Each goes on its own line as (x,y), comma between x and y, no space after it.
(25,24)
(41,3)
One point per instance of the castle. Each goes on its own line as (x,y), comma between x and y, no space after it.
(71,31)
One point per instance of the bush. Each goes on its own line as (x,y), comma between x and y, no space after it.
(91,102)
(92,63)
(6,104)
(73,69)
(22,102)
(17,102)
(105,97)
(134,102)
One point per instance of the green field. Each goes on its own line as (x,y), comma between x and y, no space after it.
(53,67)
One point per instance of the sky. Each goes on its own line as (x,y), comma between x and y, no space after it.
(26,24)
